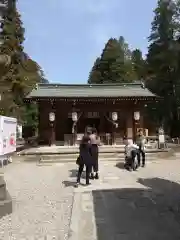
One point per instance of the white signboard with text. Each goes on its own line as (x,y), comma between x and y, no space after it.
(8,128)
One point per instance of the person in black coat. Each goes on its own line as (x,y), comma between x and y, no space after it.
(95,142)
(85,158)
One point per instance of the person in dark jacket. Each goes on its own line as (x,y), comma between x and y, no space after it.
(85,158)
(95,142)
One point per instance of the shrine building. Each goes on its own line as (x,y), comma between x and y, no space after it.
(115,110)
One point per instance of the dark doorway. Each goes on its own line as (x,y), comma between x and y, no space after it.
(90,122)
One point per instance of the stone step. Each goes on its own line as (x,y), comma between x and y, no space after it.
(71,160)
(72,157)
(121,158)
(75,150)
(67,151)
(103,156)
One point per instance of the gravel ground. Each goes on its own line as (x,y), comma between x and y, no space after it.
(43,195)
(41,203)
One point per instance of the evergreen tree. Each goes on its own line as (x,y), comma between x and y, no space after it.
(125,49)
(23,72)
(138,64)
(110,67)
(95,74)
(127,58)
(42,77)
(163,63)
(112,62)
(114,65)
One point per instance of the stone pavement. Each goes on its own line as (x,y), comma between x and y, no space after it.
(129,205)
(120,205)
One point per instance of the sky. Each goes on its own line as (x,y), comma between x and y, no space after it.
(66,36)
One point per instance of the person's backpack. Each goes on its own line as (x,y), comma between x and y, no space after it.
(78,160)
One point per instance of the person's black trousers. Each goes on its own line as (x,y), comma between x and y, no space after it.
(95,153)
(88,169)
(141,154)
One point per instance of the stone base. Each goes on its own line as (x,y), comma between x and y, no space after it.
(2,192)
(5,199)
(6,205)
(2,188)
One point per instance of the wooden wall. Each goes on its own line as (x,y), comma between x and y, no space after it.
(63,124)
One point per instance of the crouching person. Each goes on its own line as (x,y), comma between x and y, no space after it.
(131,152)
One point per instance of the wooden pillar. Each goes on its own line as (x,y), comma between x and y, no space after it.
(52,124)
(44,129)
(61,121)
(101,125)
(113,134)
(129,126)
(75,117)
(74,133)
(136,124)
(52,134)
(39,122)
(114,123)
(141,121)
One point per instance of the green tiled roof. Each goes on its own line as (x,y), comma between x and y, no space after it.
(89,91)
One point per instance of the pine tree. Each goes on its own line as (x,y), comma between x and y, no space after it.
(162,61)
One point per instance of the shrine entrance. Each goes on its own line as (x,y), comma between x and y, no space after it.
(92,123)
(89,119)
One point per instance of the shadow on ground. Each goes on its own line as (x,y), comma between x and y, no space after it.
(69,183)
(120,165)
(73,173)
(139,214)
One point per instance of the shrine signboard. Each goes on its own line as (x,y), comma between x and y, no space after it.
(8,127)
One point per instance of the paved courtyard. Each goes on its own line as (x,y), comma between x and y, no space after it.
(120,206)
